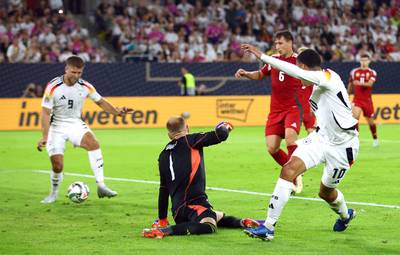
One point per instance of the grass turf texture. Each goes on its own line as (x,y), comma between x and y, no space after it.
(113,226)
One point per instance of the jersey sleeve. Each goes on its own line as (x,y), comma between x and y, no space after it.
(266,70)
(318,78)
(199,140)
(47,100)
(163,197)
(373,75)
(351,76)
(93,94)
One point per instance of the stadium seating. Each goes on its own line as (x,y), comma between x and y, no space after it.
(208,31)
(30,34)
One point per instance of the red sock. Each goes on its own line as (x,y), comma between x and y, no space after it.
(280,157)
(291,149)
(373,131)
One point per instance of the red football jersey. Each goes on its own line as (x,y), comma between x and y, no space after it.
(285,88)
(362,93)
(305,94)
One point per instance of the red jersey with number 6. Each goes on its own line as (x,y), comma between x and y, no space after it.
(362,93)
(285,88)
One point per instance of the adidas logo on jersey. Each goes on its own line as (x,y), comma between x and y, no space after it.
(63,97)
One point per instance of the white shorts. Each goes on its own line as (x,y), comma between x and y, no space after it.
(59,134)
(314,150)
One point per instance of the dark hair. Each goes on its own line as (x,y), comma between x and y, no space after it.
(365,55)
(75,61)
(285,34)
(310,58)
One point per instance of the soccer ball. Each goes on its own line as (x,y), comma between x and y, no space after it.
(78,192)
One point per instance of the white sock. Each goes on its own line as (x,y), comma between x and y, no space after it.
(56,180)
(278,200)
(339,206)
(96,163)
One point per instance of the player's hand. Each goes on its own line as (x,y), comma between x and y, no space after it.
(250,49)
(41,144)
(226,124)
(240,73)
(160,223)
(124,110)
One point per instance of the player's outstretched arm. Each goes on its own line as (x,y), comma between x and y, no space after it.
(252,75)
(217,136)
(110,108)
(45,122)
(290,69)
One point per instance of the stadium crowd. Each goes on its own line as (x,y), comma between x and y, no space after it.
(205,31)
(199,30)
(37,31)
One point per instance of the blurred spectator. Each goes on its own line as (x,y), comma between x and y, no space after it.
(205,31)
(32,91)
(16,51)
(35,31)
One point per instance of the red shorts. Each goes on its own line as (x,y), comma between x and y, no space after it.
(278,121)
(309,120)
(367,107)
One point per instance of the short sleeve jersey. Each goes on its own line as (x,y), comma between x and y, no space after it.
(66,102)
(332,108)
(285,88)
(362,93)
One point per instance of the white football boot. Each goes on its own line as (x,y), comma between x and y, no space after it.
(50,198)
(106,192)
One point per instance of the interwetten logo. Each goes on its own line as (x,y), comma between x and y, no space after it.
(235,109)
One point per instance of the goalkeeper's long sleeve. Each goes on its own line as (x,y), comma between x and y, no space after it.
(163,196)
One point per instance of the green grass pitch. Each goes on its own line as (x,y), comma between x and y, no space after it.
(113,226)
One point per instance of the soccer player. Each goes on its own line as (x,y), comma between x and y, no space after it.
(61,121)
(309,120)
(361,80)
(334,142)
(284,119)
(182,176)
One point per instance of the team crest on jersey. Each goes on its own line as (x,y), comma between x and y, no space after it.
(357,74)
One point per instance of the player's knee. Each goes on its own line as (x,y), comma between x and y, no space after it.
(288,172)
(91,145)
(57,166)
(95,144)
(272,149)
(327,196)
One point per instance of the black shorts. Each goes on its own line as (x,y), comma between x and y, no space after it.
(195,213)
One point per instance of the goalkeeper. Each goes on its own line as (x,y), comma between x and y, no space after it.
(182,176)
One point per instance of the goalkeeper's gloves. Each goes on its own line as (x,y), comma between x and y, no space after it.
(226,124)
(160,223)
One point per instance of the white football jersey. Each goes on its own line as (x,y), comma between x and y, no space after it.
(329,100)
(66,102)
(332,108)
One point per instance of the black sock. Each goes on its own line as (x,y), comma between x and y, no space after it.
(190,228)
(230,222)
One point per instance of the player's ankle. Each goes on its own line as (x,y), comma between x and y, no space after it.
(100,184)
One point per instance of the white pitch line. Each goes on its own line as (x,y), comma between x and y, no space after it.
(223,189)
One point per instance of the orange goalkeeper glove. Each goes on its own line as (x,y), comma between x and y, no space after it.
(226,124)
(160,223)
